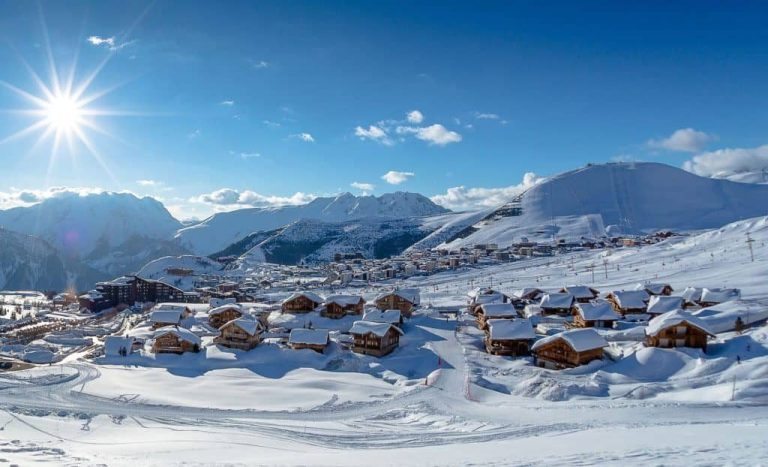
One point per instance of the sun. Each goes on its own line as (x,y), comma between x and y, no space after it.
(64,114)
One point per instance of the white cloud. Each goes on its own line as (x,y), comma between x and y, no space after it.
(414,116)
(20,197)
(362,186)
(461,198)
(227,198)
(194,133)
(486,116)
(394,177)
(249,155)
(227,103)
(730,161)
(374,133)
(259,64)
(437,134)
(271,124)
(304,137)
(683,140)
(108,42)
(148,182)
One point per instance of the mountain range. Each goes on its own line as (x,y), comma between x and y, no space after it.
(74,240)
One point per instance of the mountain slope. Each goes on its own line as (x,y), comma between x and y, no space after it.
(222,229)
(77,225)
(29,263)
(620,197)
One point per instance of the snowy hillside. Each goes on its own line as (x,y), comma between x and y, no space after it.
(197,265)
(222,229)
(78,225)
(622,197)
(312,241)
(28,263)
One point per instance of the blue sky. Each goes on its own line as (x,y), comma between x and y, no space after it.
(256,103)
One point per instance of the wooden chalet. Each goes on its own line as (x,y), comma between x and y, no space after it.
(560,304)
(301,302)
(404,300)
(224,314)
(509,337)
(338,306)
(677,329)
(175,340)
(597,314)
(165,317)
(712,297)
(483,295)
(656,288)
(581,293)
(394,317)
(494,311)
(531,294)
(313,339)
(660,304)
(568,349)
(376,339)
(240,333)
(627,302)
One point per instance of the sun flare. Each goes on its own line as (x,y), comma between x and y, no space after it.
(64,114)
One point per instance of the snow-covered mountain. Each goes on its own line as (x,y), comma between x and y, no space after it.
(222,229)
(79,225)
(618,198)
(29,263)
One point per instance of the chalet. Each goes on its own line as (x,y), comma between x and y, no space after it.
(509,337)
(118,346)
(581,293)
(490,311)
(175,340)
(482,295)
(240,333)
(656,289)
(692,296)
(557,304)
(660,304)
(677,329)
(530,293)
(598,314)
(167,316)
(404,300)
(711,297)
(628,302)
(568,349)
(94,301)
(394,317)
(376,339)
(314,339)
(301,302)
(338,306)
(224,314)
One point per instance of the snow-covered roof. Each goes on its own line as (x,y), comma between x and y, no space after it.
(385,316)
(653,288)
(343,300)
(720,295)
(412,295)
(250,326)
(181,333)
(113,344)
(580,340)
(596,311)
(369,327)
(659,304)
(308,336)
(631,299)
(673,318)
(529,292)
(581,291)
(498,310)
(480,291)
(310,295)
(507,329)
(556,300)
(165,316)
(181,308)
(692,294)
(489,298)
(223,308)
